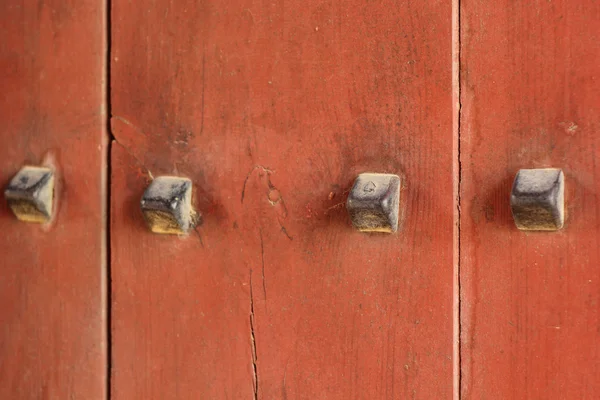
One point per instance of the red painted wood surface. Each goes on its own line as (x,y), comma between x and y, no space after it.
(530,84)
(272,109)
(52,309)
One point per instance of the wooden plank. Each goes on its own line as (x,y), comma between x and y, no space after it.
(530,95)
(272,109)
(52,306)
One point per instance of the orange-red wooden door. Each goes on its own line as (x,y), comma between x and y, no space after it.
(52,279)
(530,302)
(272,109)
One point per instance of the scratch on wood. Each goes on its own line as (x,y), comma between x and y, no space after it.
(265,169)
(274,202)
(129,123)
(284,388)
(139,162)
(199,236)
(285,232)
(335,206)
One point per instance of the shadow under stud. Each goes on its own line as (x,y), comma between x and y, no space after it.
(373,202)
(537,199)
(167,205)
(30,194)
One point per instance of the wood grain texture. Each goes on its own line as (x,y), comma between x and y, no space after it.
(272,109)
(52,308)
(530,99)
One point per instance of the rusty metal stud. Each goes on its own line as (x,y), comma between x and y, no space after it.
(167,205)
(30,194)
(537,199)
(373,202)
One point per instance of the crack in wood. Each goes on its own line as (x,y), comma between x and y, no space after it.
(273,202)
(253,342)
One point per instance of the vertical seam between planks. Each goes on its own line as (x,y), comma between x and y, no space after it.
(107,200)
(457,172)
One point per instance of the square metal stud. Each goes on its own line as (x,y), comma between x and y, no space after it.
(167,205)
(30,194)
(537,199)
(373,202)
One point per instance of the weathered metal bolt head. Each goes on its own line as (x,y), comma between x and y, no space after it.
(537,199)
(167,205)
(373,202)
(30,194)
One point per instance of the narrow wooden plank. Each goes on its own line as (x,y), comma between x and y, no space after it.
(52,306)
(530,96)
(272,109)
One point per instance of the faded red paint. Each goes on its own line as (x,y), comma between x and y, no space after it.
(52,292)
(530,98)
(226,91)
